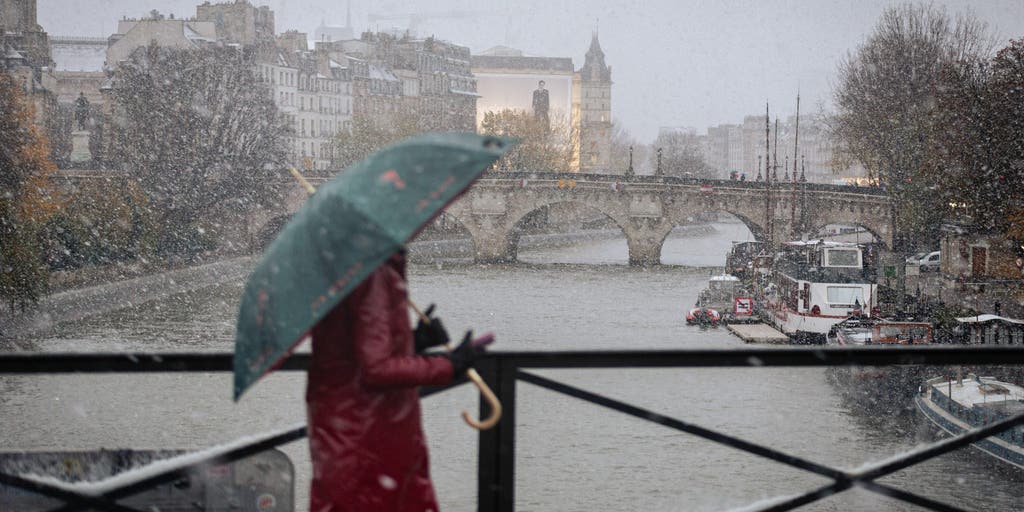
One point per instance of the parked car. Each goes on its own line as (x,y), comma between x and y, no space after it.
(929,263)
(914,259)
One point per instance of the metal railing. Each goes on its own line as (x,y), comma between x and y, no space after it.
(502,371)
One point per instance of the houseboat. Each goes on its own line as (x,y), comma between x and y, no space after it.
(816,284)
(878,389)
(956,405)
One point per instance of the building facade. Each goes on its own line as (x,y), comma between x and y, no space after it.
(26,55)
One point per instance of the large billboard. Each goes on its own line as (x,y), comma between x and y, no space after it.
(500,91)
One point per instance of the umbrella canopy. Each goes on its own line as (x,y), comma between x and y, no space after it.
(345,231)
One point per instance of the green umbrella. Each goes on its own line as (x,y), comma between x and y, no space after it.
(346,230)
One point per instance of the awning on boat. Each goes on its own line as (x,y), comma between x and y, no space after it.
(980,319)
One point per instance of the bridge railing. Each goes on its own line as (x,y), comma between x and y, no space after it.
(503,370)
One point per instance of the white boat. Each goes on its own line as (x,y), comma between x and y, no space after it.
(726,295)
(878,389)
(814,285)
(863,330)
(958,405)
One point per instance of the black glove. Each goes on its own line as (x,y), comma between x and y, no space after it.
(429,334)
(465,354)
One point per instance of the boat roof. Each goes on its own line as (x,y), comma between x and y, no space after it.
(982,391)
(856,335)
(724,277)
(980,319)
(823,243)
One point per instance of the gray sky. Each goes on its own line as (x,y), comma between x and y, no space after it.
(674,62)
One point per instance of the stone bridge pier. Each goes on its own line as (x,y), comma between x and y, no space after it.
(645,237)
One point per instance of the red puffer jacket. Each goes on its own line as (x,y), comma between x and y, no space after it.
(365,437)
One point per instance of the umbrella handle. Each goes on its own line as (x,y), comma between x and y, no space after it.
(478,381)
(302,181)
(492,400)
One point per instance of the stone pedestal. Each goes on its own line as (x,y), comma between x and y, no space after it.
(80,146)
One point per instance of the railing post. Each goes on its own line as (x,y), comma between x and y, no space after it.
(497,458)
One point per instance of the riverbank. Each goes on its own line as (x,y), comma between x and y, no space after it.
(99,290)
(77,303)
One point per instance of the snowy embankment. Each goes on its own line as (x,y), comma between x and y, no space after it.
(76,304)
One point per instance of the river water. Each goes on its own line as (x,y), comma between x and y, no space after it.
(571,456)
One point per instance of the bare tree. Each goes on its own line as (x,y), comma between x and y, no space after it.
(681,155)
(885,98)
(199,132)
(981,113)
(623,150)
(367,135)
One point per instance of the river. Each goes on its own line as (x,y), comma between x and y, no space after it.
(571,456)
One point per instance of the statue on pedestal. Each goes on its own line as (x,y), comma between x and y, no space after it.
(82,112)
(80,136)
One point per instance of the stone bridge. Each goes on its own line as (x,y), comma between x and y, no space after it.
(646,208)
(498,207)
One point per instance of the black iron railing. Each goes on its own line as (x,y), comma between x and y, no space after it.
(502,371)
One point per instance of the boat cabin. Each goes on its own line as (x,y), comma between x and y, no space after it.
(861,330)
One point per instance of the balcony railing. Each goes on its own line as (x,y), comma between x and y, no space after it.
(502,371)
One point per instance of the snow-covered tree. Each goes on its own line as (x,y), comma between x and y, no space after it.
(681,155)
(981,116)
(200,133)
(886,101)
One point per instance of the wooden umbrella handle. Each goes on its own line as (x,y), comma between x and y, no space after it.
(492,400)
(302,181)
(478,381)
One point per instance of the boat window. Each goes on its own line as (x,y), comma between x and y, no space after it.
(843,296)
(842,258)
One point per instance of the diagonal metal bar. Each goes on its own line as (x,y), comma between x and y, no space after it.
(77,499)
(908,497)
(807,497)
(227,457)
(676,424)
(936,449)
(843,480)
(837,487)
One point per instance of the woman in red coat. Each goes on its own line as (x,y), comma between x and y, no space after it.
(365,437)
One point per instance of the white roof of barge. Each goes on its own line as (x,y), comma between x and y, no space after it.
(824,243)
(724,277)
(980,319)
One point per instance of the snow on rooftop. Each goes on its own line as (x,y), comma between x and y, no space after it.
(379,73)
(980,390)
(192,35)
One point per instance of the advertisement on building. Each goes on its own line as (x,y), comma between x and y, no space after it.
(540,94)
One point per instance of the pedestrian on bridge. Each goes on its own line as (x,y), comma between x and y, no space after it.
(336,273)
(366,441)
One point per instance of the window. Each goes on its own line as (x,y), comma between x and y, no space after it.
(844,296)
(843,258)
